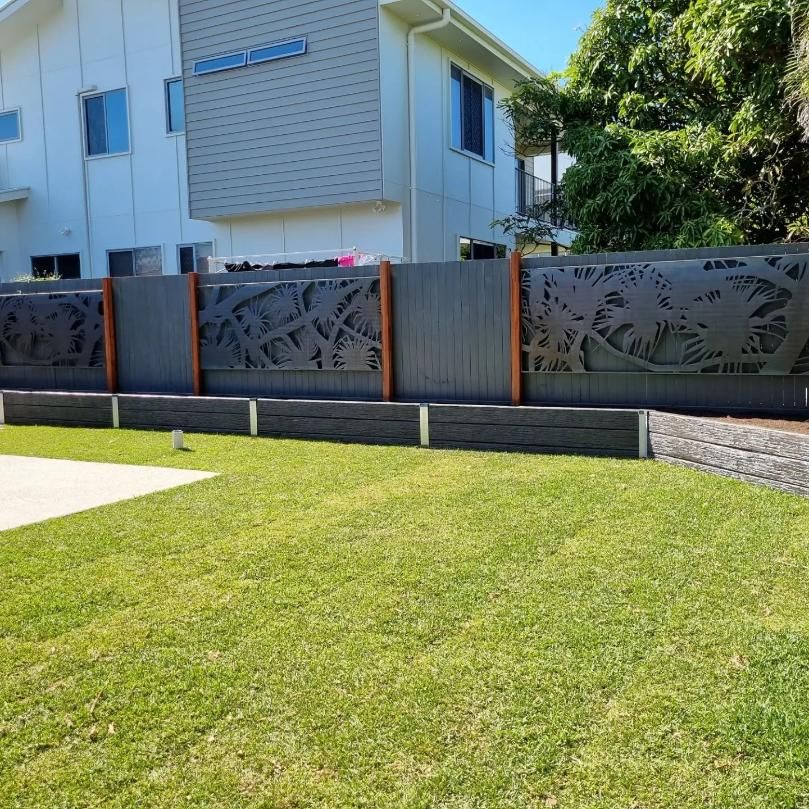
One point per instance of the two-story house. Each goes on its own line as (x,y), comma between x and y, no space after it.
(140,137)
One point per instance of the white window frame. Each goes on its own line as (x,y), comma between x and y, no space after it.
(194,245)
(18,111)
(472,242)
(486,86)
(247,59)
(166,103)
(304,49)
(56,257)
(83,110)
(132,250)
(206,71)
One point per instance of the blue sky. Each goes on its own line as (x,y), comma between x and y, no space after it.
(543,31)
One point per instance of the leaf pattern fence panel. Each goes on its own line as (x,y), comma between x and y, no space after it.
(730,316)
(52,330)
(326,325)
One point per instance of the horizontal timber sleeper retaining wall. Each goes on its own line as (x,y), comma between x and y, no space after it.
(57,409)
(753,454)
(749,453)
(612,433)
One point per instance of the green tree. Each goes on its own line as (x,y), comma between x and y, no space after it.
(678,115)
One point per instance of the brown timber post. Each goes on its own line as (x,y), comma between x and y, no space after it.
(516,328)
(110,346)
(386,300)
(193,314)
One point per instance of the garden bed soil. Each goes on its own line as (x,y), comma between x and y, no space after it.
(785,425)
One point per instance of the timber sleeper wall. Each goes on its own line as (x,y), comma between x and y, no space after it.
(57,409)
(568,431)
(766,457)
(611,433)
(753,454)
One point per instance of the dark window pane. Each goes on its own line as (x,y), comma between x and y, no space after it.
(43,266)
(175,107)
(121,263)
(473,116)
(69,266)
(9,126)
(117,122)
(95,121)
(466,250)
(482,251)
(457,136)
(296,47)
(187,260)
(488,123)
(220,63)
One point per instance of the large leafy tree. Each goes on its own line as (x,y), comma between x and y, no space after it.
(678,115)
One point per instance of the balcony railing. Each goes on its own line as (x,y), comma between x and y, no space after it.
(539,198)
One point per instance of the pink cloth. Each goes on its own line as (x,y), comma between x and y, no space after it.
(346,261)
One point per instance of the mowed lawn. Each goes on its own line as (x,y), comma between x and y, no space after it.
(344,626)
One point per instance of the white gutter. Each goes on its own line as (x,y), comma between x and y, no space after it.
(446,19)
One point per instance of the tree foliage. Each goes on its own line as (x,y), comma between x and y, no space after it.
(677,113)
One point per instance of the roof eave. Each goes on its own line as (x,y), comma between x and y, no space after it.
(464,29)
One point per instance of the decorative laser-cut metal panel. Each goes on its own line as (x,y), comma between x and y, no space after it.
(52,330)
(734,316)
(332,325)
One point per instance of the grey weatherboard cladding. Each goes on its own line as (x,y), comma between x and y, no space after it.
(298,132)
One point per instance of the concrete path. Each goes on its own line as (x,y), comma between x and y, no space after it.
(37,489)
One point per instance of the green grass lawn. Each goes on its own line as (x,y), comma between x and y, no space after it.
(341,626)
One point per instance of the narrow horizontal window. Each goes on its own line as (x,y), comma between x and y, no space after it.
(9,126)
(64,267)
(280,50)
(217,63)
(474,250)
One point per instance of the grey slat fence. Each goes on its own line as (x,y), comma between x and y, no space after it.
(451,335)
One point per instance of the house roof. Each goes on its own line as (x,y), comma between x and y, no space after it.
(19,16)
(467,37)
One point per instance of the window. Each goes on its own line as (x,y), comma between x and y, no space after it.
(175,107)
(280,50)
(140,261)
(217,63)
(472,115)
(255,56)
(106,123)
(10,126)
(474,250)
(194,257)
(66,267)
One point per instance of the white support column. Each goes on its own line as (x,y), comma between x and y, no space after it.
(116,418)
(643,434)
(2,411)
(253,417)
(424,424)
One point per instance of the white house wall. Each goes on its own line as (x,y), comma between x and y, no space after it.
(140,199)
(458,195)
(361,226)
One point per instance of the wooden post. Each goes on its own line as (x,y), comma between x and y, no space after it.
(386,299)
(516,328)
(193,313)
(110,346)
